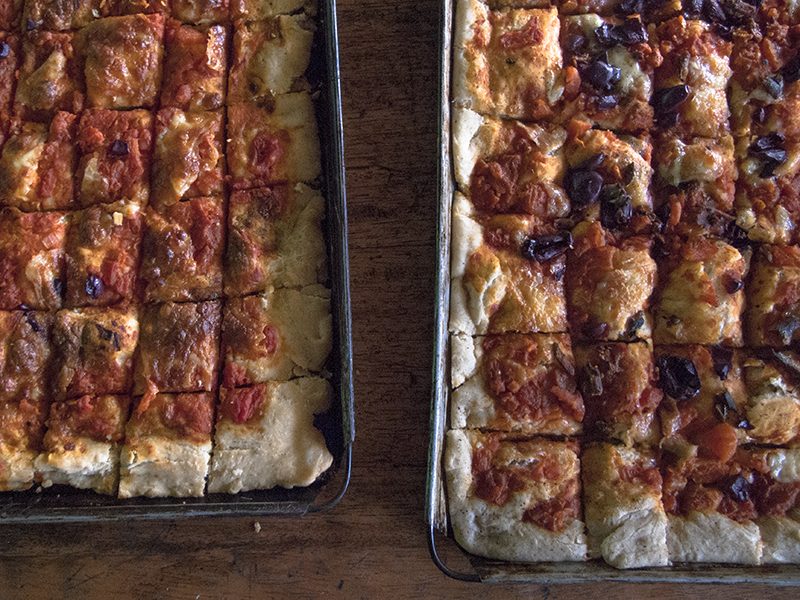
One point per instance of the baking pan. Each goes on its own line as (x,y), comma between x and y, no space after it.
(62,503)
(444,550)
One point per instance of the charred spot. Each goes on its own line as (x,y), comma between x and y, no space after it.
(593,330)
(591,380)
(722,357)
(59,287)
(546,247)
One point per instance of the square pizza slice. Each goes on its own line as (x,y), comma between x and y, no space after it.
(32,259)
(773,397)
(60,15)
(700,296)
(270,57)
(507,166)
(200,12)
(689,96)
(254,10)
(10,58)
(609,283)
(93,351)
(82,443)
(182,251)
(695,184)
(22,427)
(167,446)
(122,60)
(772,314)
(507,62)
(776,493)
(195,66)
(274,239)
(265,436)
(115,151)
(275,336)
(187,156)
(608,179)
(768,188)
(103,254)
(515,382)
(625,520)
(178,348)
(273,142)
(24,355)
(618,384)
(49,76)
(37,165)
(608,67)
(515,499)
(507,274)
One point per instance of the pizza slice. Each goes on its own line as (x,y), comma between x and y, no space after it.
(515,499)
(38,163)
(178,348)
(619,388)
(82,443)
(608,66)
(275,336)
(699,297)
(773,397)
(102,254)
(122,60)
(274,239)
(776,493)
(167,446)
(609,283)
(115,151)
(270,57)
(195,66)
(695,184)
(187,156)
(507,274)
(93,351)
(507,62)
(24,355)
(182,251)
(265,436)
(32,259)
(514,382)
(772,316)
(273,143)
(507,166)
(49,76)
(689,96)
(22,427)
(625,520)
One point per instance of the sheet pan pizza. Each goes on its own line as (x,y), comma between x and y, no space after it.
(165,310)
(625,368)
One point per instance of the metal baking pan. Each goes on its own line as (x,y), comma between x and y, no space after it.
(61,503)
(445,552)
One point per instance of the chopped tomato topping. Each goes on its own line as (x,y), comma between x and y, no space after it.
(241,404)
(530,34)
(720,442)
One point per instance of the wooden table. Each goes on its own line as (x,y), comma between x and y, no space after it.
(373,544)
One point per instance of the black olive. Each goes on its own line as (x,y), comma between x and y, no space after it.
(692,8)
(576,44)
(733,285)
(558,274)
(770,151)
(738,488)
(634,324)
(30,25)
(678,377)
(722,356)
(119,148)
(630,31)
(713,13)
(607,102)
(546,247)
(791,70)
(736,236)
(4,49)
(615,207)
(583,187)
(30,318)
(759,114)
(601,75)
(94,286)
(666,100)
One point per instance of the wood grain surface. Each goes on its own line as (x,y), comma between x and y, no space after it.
(373,543)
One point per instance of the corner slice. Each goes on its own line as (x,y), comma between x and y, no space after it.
(777,496)
(515,382)
(265,436)
(82,443)
(514,500)
(22,426)
(167,446)
(625,519)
